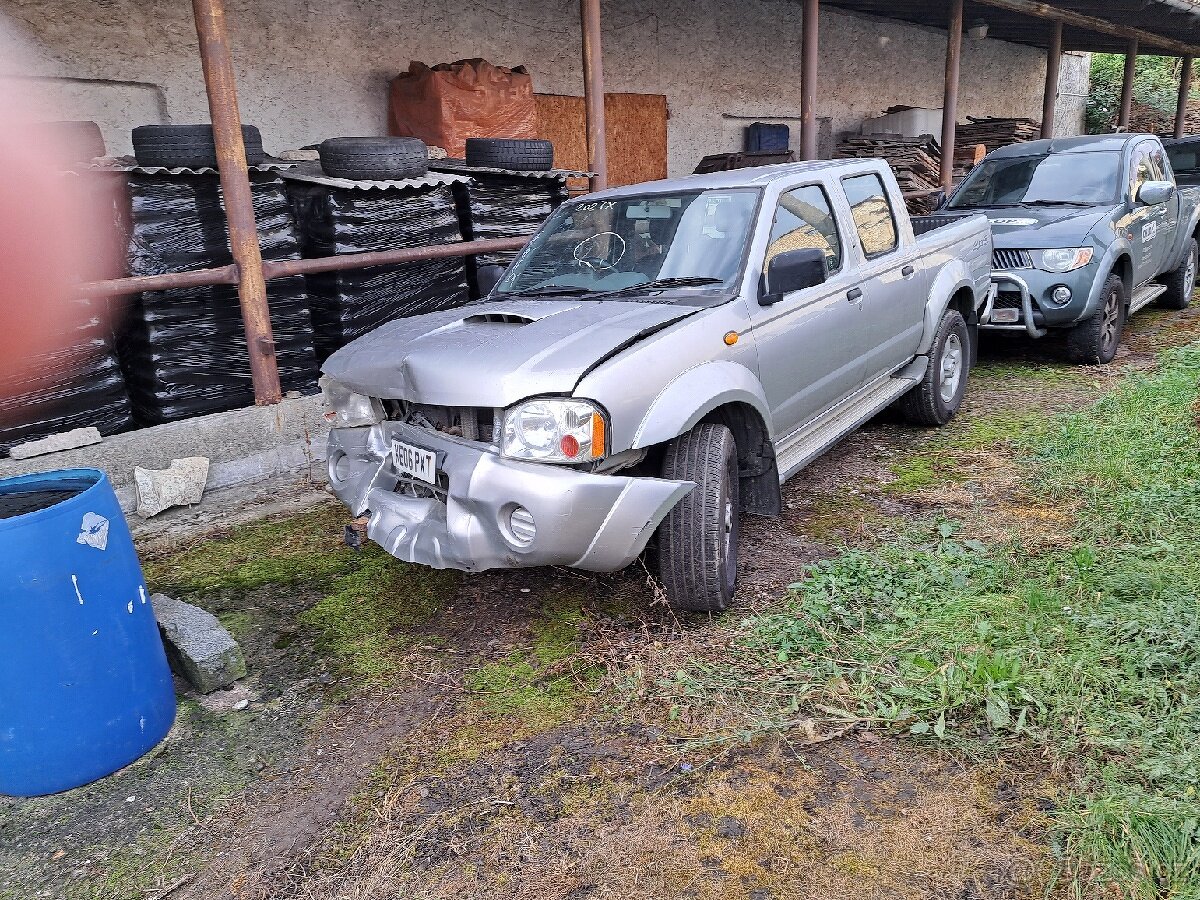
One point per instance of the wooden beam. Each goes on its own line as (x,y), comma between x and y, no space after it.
(593,93)
(808,80)
(1131,55)
(1091,23)
(1053,65)
(219,84)
(950,98)
(1185,89)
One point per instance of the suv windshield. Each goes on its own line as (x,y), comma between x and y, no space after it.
(691,240)
(1069,179)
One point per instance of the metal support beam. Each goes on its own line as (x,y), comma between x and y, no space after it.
(1091,23)
(808,80)
(593,92)
(950,101)
(235,188)
(1053,65)
(1131,55)
(1185,90)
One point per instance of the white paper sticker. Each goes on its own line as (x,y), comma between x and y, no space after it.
(94,531)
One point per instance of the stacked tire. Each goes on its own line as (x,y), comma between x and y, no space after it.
(374,158)
(510,153)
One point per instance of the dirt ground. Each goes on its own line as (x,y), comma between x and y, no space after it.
(505,739)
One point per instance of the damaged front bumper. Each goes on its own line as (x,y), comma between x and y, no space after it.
(599,523)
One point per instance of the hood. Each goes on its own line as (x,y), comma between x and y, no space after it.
(496,353)
(1043,227)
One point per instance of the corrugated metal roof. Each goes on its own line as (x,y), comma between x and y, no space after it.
(1174,20)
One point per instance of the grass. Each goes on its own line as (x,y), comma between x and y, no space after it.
(1088,655)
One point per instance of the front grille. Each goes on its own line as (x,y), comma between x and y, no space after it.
(1011,259)
(474,423)
(1008,300)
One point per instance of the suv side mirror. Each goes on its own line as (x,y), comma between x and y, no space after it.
(487,277)
(1152,193)
(940,199)
(792,270)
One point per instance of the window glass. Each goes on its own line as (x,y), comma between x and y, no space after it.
(872,213)
(804,220)
(1069,179)
(1162,168)
(1140,169)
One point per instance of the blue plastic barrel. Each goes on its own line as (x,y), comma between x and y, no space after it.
(84,683)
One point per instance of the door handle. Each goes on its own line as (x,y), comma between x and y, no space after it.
(854,294)
(908,271)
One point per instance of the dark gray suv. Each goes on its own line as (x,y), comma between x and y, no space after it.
(1087,231)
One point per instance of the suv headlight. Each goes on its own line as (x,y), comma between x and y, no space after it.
(1059,261)
(348,409)
(553,430)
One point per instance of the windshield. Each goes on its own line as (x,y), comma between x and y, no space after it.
(1069,179)
(690,241)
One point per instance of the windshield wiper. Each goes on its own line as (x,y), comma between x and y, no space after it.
(551,291)
(1056,203)
(662,284)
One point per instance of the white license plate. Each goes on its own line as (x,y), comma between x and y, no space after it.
(415,461)
(1006,316)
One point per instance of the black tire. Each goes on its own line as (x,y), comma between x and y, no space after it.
(512,154)
(697,541)
(188,146)
(1181,283)
(937,397)
(374,158)
(72,143)
(1095,341)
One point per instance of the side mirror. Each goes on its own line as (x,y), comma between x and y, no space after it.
(487,277)
(1152,193)
(940,199)
(792,270)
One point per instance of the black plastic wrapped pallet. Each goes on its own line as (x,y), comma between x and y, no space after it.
(184,351)
(335,220)
(494,205)
(80,383)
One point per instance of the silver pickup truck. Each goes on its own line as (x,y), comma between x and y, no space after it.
(657,360)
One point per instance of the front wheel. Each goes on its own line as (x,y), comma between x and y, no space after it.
(936,398)
(698,540)
(1096,339)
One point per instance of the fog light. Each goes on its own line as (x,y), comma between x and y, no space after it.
(521,526)
(1061,295)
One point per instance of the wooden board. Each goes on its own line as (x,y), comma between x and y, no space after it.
(637,134)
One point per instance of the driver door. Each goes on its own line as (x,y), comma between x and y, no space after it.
(808,341)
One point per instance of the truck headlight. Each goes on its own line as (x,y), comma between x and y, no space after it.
(348,409)
(1059,261)
(553,430)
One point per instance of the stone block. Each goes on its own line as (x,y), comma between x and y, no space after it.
(55,443)
(182,484)
(198,646)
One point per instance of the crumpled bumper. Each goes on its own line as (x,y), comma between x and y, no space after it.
(600,523)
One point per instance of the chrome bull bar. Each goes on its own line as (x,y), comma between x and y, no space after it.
(1027,323)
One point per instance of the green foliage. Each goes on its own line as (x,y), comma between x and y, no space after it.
(1090,653)
(1155,83)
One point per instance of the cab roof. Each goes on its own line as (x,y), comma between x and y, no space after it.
(752,177)
(1086,143)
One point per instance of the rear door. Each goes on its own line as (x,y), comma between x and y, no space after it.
(892,278)
(809,343)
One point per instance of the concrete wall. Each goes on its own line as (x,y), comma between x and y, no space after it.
(309,69)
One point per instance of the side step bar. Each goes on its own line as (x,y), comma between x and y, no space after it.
(1145,295)
(809,441)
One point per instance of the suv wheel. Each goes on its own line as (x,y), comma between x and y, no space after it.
(1182,282)
(1096,340)
(936,398)
(698,540)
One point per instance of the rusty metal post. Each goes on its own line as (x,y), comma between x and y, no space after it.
(219,84)
(1053,65)
(1131,55)
(950,102)
(808,80)
(593,92)
(1185,89)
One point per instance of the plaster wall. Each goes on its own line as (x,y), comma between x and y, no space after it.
(310,69)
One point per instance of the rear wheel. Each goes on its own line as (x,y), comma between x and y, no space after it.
(1096,339)
(936,398)
(698,540)
(1182,282)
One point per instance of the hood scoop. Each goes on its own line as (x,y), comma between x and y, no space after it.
(498,318)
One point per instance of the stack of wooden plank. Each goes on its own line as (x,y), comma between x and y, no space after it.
(914,160)
(993,133)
